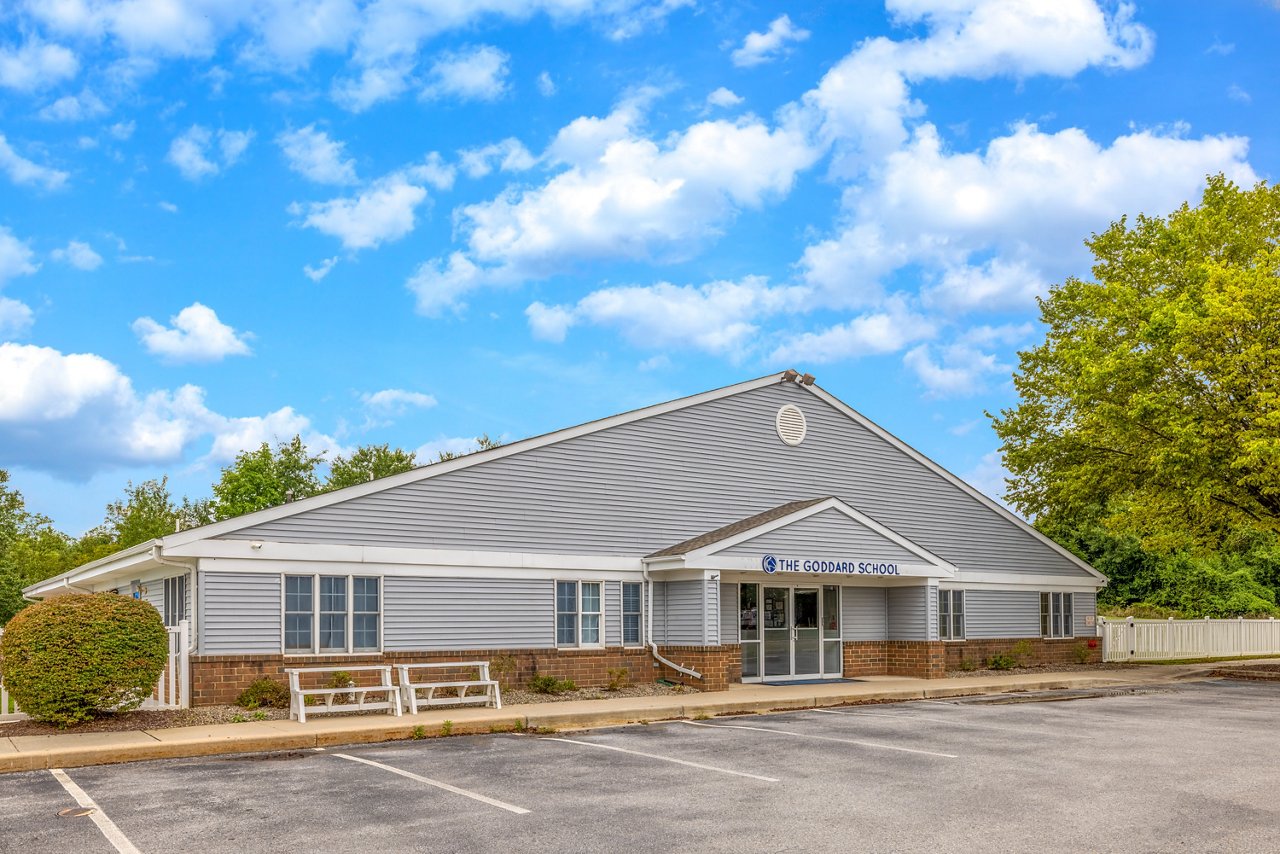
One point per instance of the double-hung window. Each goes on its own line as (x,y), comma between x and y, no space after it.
(175,600)
(631,610)
(331,613)
(1057,615)
(578,606)
(951,615)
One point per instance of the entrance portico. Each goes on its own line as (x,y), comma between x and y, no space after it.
(801,583)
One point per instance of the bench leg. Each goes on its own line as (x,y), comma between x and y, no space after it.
(497,697)
(301,705)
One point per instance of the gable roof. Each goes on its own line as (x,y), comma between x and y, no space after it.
(715,542)
(424,473)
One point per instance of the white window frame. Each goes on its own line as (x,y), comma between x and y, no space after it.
(1053,614)
(951,595)
(578,612)
(175,594)
(349,639)
(639,614)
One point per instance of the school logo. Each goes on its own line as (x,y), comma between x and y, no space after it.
(769,564)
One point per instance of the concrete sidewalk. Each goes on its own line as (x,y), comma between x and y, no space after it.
(28,753)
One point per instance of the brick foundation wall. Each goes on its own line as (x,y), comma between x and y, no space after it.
(865,658)
(921,659)
(219,679)
(974,653)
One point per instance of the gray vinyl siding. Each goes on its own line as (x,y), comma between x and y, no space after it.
(659,606)
(241,613)
(1001,614)
(155,594)
(683,607)
(729,616)
(475,613)
(864,613)
(830,534)
(613,613)
(635,488)
(912,613)
(1086,605)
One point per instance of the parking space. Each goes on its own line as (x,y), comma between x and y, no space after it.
(1191,768)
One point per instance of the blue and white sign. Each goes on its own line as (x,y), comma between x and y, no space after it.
(772,564)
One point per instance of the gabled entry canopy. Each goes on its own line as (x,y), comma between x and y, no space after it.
(815,537)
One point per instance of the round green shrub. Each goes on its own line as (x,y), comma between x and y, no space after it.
(264,692)
(69,657)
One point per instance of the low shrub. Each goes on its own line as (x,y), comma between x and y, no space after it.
(617,678)
(342,679)
(1002,661)
(67,658)
(968,664)
(264,692)
(1022,652)
(502,669)
(1081,653)
(551,685)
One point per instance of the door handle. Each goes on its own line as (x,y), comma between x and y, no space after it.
(795,633)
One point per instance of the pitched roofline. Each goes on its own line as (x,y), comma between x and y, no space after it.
(56,580)
(281,511)
(992,504)
(803,511)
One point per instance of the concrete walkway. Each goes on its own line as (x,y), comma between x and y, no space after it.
(34,752)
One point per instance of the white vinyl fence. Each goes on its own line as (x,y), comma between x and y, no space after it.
(1158,640)
(172,691)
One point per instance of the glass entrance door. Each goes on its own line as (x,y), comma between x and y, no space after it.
(805,633)
(777,631)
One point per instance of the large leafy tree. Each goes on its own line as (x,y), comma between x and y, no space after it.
(366,463)
(265,477)
(30,549)
(1153,405)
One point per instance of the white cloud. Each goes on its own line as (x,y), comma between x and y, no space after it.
(374,84)
(193,151)
(433,170)
(979,225)
(381,213)
(871,334)
(509,155)
(773,43)
(312,154)
(23,171)
(79,255)
(471,74)
(197,335)
(35,65)
(123,130)
(988,476)
(719,317)
(167,207)
(546,86)
(962,369)
(396,401)
(318,272)
(15,318)
(861,104)
(456,445)
(723,97)
(74,108)
(1238,94)
(16,257)
(622,196)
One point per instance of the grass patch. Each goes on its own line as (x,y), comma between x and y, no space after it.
(1209,660)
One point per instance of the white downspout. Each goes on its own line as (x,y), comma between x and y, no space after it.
(653,647)
(157,555)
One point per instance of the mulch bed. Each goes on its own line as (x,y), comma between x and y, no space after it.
(1046,668)
(208,715)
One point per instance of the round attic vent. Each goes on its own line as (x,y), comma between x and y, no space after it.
(791,424)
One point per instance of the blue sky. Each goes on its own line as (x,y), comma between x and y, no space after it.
(406,221)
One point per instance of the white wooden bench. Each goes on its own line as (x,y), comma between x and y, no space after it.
(358,702)
(491,693)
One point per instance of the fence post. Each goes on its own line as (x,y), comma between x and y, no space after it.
(182,670)
(1133,637)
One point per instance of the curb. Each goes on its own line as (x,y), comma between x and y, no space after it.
(174,744)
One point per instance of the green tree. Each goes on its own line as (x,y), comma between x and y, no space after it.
(1154,402)
(265,478)
(366,463)
(30,549)
(483,443)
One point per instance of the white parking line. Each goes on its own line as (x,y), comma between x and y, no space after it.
(823,738)
(98,817)
(475,796)
(664,759)
(909,717)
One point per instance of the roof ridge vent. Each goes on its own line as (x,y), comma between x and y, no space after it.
(791,424)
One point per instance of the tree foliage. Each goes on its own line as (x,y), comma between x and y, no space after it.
(69,657)
(266,477)
(1154,401)
(483,443)
(366,463)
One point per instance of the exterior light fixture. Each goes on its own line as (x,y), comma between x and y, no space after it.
(807,379)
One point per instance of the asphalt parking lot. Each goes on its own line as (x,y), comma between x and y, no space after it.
(1194,767)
